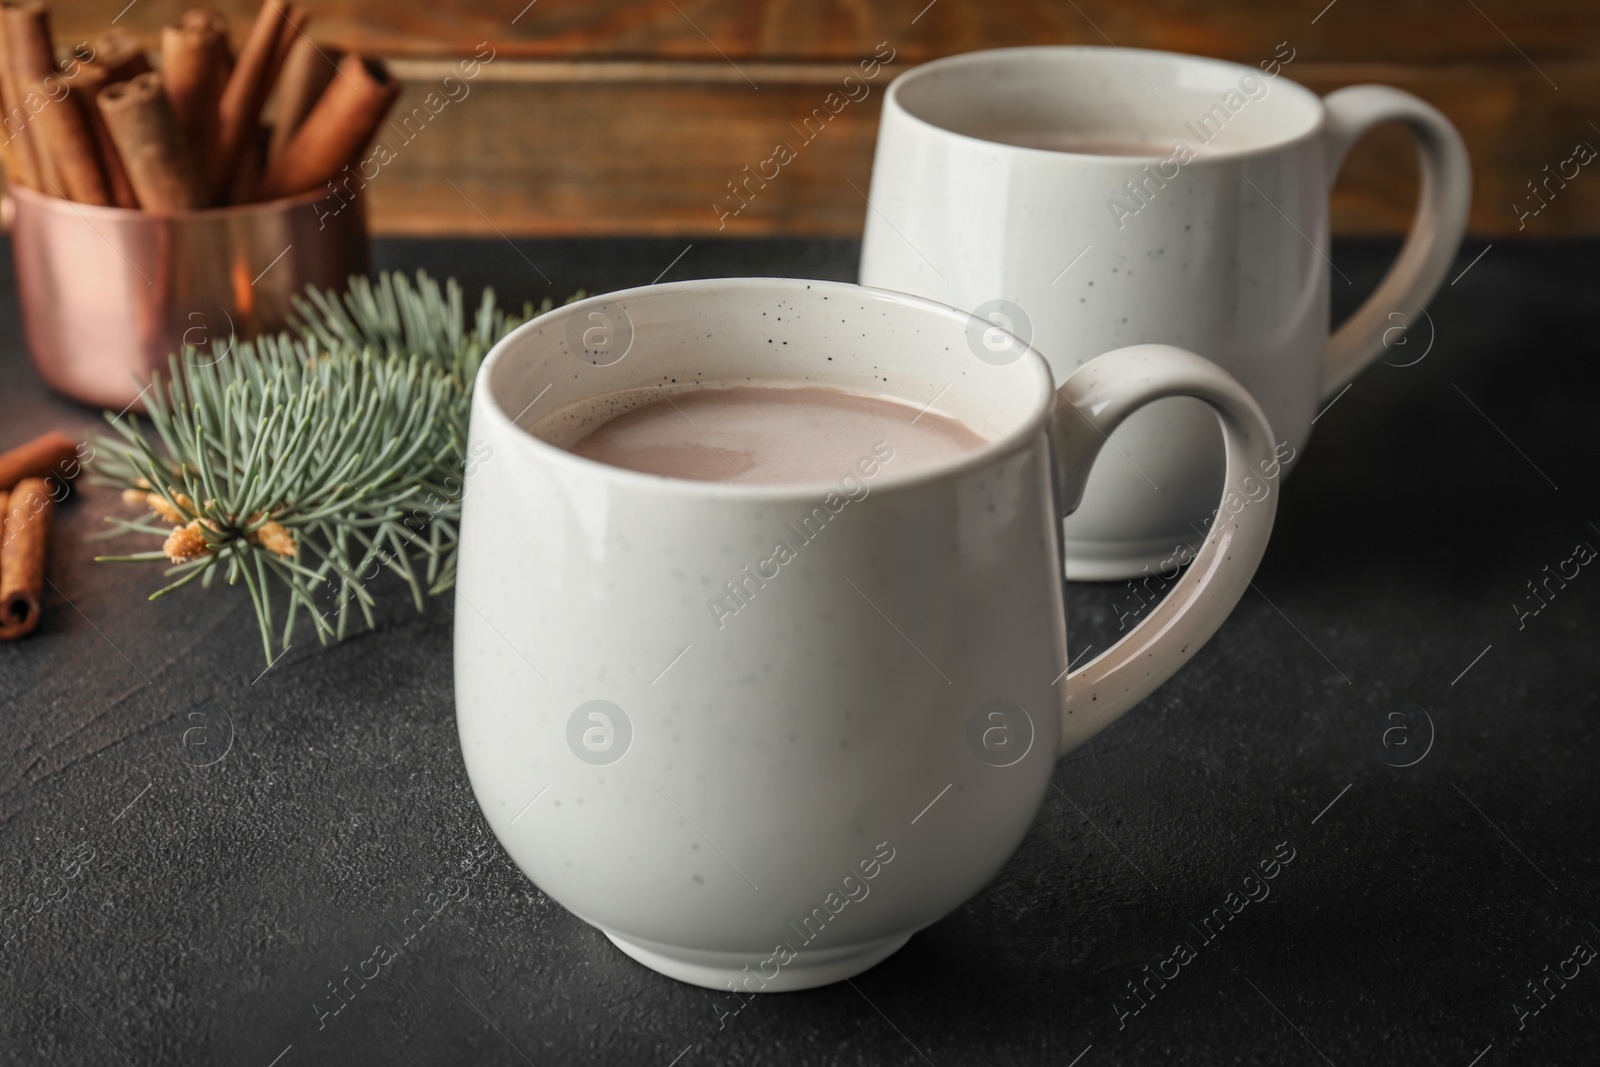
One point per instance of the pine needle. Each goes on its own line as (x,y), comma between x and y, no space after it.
(307,463)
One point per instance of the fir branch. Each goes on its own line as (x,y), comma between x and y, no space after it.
(306,463)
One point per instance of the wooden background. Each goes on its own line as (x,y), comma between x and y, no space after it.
(618,117)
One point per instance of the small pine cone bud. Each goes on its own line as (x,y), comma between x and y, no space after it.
(159,505)
(135,497)
(273,537)
(185,543)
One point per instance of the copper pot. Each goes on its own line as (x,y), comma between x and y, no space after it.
(108,294)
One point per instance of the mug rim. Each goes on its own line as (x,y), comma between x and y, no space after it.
(1034,420)
(1001,55)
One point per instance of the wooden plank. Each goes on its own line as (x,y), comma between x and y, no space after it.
(1423,31)
(638,149)
(647,109)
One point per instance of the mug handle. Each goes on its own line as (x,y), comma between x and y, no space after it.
(1090,404)
(1436,232)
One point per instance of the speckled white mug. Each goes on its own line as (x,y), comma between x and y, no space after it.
(1218,243)
(777,794)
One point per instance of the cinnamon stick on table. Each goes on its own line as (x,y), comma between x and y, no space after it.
(247,88)
(49,454)
(5,509)
(164,174)
(194,71)
(91,80)
(28,516)
(337,129)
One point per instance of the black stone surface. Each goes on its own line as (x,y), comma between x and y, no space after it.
(157,911)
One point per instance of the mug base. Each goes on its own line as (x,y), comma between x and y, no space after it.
(742,971)
(1114,561)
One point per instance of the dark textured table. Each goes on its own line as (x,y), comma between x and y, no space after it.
(195,852)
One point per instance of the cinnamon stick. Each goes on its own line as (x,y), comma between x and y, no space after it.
(22,164)
(164,174)
(5,510)
(10,159)
(252,163)
(194,72)
(205,19)
(33,56)
(92,79)
(30,55)
(246,91)
(292,29)
(119,51)
(338,128)
(307,70)
(28,517)
(64,145)
(50,454)
(65,136)
(118,57)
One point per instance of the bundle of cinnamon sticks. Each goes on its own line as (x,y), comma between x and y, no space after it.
(100,126)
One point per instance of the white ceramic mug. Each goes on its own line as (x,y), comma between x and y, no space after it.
(1217,242)
(760,736)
